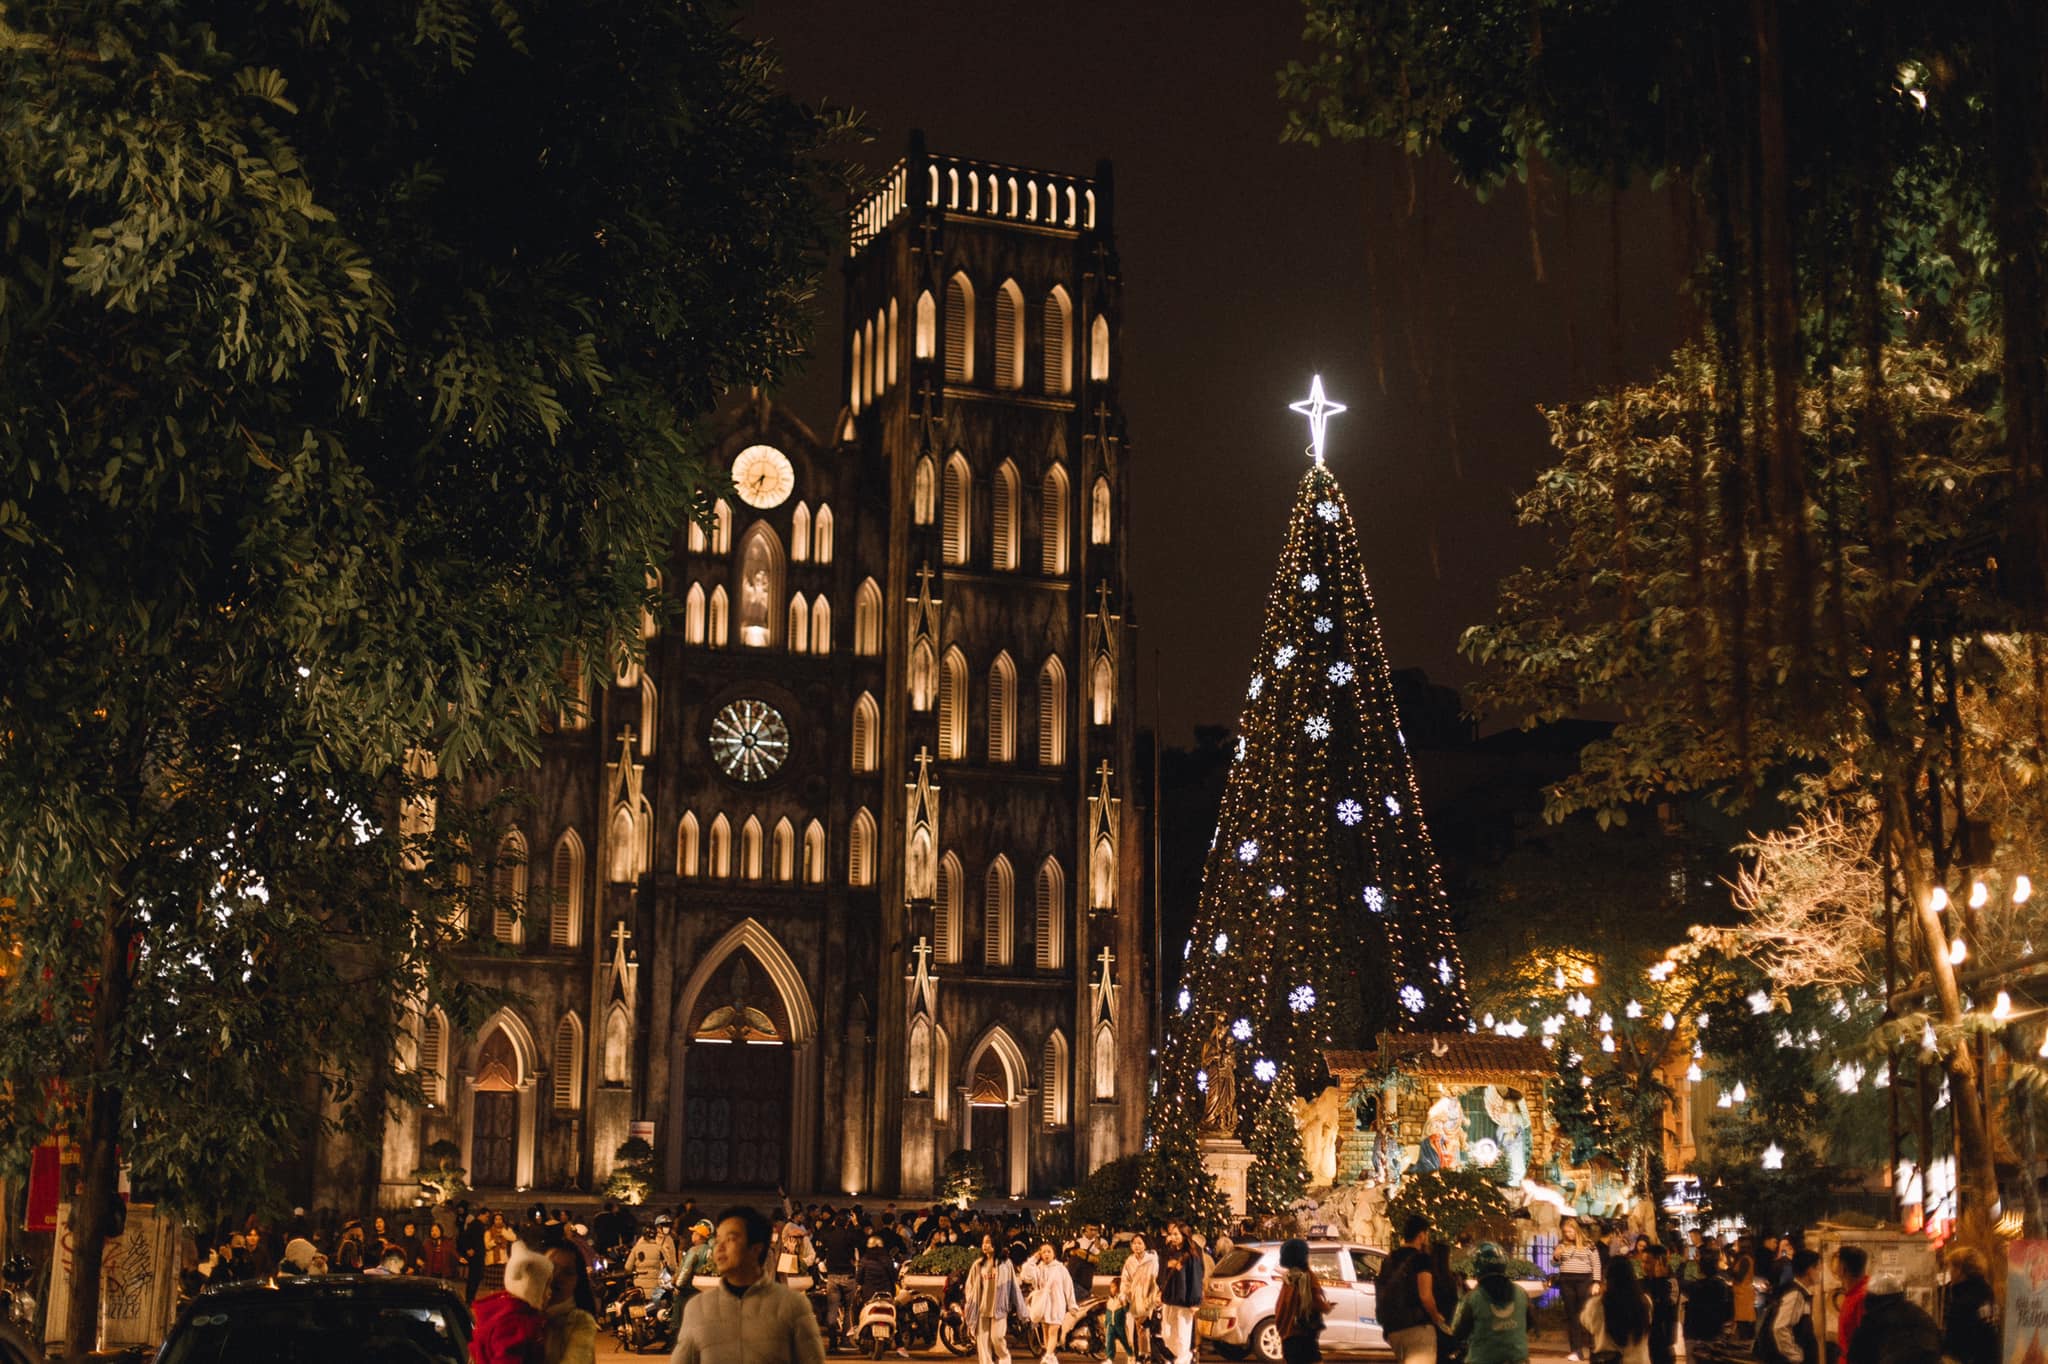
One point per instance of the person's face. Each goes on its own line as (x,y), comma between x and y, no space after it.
(729,1248)
(562,1284)
(380,1226)
(988,1246)
(434,1232)
(1137,1245)
(411,1229)
(497,1220)
(235,1242)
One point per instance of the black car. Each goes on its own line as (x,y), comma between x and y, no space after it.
(324,1319)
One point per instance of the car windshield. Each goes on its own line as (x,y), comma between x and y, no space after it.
(1236,1262)
(293,1329)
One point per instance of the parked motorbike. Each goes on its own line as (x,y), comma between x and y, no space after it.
(876,1332)
(917,1319)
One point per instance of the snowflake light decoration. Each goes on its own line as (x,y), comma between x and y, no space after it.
(1375,899)
(1242,1030)
(1349,812)
(1257,687)
(1323,624)
(1318,727)
(1202,1081)
(1264,1071)
(1327,510)
(1276,892)
(1248,851)
(1240,748)
(1310,582)
(1342,673)
(1283,655)
(1443,970)
(1412,999)
(1186,1001)
(1301,998)
(1222,943)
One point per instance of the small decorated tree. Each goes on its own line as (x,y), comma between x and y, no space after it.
(632,1176)
(1452,1200)
(1279,1174)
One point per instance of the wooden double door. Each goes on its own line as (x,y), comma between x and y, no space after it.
(736,1115)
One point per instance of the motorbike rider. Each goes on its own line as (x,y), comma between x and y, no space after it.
(653,1253)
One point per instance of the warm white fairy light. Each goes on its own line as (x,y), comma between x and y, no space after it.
(1937,899)
(1958,952)
(1670,1021)
(1774,1157)
(2022,890)
(1739,1094)
(1693,1073)
(1980,895)
(2002,1009)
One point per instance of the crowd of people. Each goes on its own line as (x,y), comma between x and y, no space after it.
(1623,1295)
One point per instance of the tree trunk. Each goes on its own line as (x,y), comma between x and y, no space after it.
(92,1215)
(1976,1177)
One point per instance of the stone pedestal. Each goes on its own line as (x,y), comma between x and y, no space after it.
(1228,1160)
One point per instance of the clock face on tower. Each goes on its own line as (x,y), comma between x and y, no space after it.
(762,476)
(750,740)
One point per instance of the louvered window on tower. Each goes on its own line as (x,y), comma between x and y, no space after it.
(568,1064)
(1002,710)
(946,912)
(686,845)
(959,505)
(1098,350)
(1053,521)
(814,853)
(434,1057)
(508,889)
(867,619)
(867,726)
(1059,356)
(1051,920)
(996,912)
(1052,714)
(1098,513)
(1009,336)
(860,850)
(924,492)
(927,326)
(952,706)
(959,331)
(1002,531)
(1053,1080)
(565,881)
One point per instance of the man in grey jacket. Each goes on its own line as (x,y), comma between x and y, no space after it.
(749,1318)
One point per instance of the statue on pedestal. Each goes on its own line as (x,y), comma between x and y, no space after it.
(1219,1063)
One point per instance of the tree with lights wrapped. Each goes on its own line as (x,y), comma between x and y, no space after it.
(1323,921)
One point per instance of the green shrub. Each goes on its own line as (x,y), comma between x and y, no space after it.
(947,1260)
(1452,1200)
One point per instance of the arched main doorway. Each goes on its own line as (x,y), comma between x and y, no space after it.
(993,1092)
(500,1114)
(743,1093)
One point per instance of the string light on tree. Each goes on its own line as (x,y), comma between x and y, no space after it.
(1358,941)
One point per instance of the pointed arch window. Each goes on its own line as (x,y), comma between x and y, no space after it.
(618,1045)
(1105,1060)
(873,378)
(1052,714)
(649,626)
(997,914)
(433,1056)
(750,848)
(1101,691)
(889,346)
(860,849)
(814,853)
(924,679)
(714,630)
(508,889)
(1098,513)
(959,330)
(924,491)
(867,732)
(867,620)
(946,920)
(920,1076)
(686,845)
(1059,354)
(565,884)
(699,542)
(952,706)
(800,534)
(1102,874)
(719,847)
(1009,335)
(927,326)
(1052,1080)
(760,585)
(784,850)
(821,535)
(1002,710)
(858,373)
(650,715)
(1053,520)
(693,614)
(567,1066)
(799,632)
(1002,531)
(1098,350)
(1049,924)
(623,846)
(959,505)
(721,527)
(821,626)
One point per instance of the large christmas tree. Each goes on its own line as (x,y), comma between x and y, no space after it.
(1323,921)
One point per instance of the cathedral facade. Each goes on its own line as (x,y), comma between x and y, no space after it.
(847,875)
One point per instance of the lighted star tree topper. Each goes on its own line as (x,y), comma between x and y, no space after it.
(1323,921)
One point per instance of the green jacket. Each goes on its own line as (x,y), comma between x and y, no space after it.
(1494,1333)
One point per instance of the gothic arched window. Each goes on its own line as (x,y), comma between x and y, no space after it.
(1098,513)
(1002,530)
(508,889)
(946,922)
(821,535)
(959,506)
(997,914)
(814,853)
(867,732)
(1050,921)
(867,620)
(686,845)
(1009,335)
(760,585)
(1052,525)
(1002,710)
(785,850)
(927,326)
(1105,1060)
(800,534)
(959,330)
(860,849)
(821,626)
(798,633)
(1052,1080)
(924,492)
(1098,349)
(565,885)
(567,1064)
(720,847)
(1052,714)
(1059,356)
(952,706)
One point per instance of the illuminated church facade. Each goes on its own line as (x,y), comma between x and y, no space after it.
(848,874)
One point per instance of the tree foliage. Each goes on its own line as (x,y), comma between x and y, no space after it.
(350,360)
(1452,1200)
(1279,1173)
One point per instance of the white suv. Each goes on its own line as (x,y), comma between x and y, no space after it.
(1238,1301)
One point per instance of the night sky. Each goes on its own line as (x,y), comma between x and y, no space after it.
(1247,266)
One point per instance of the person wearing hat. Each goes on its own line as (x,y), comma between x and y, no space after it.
(1894,1330)
(511,1325)
(299,1254)
(348,1254)
(653,1254)
(1493,1318)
